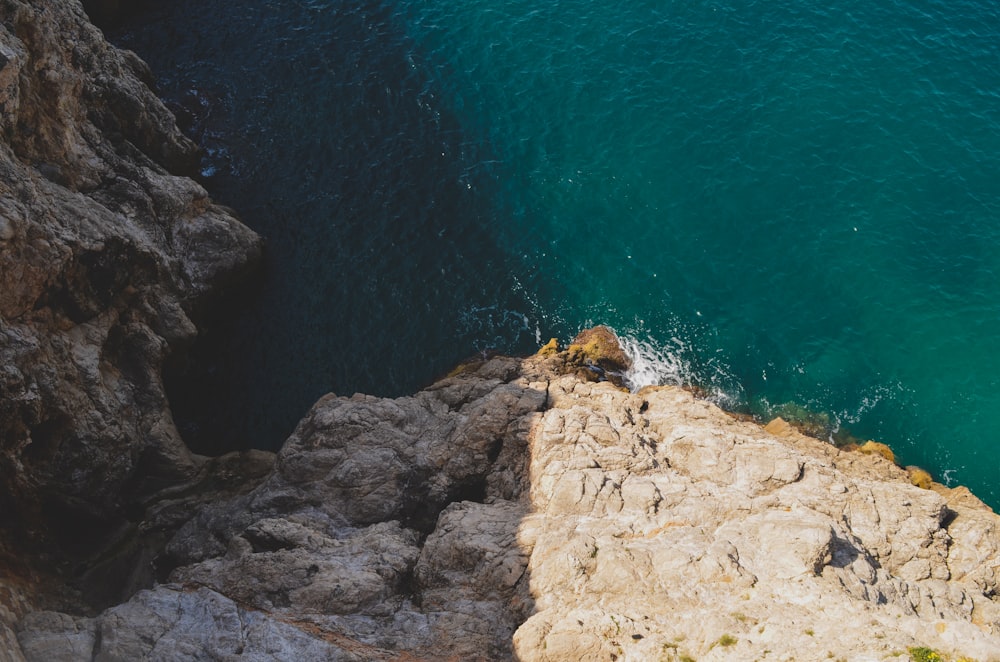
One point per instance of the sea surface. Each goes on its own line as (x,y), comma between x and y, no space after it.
(794,205)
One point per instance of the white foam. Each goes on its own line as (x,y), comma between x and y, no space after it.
(672,362)
(654,366)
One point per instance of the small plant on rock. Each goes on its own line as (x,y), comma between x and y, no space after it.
(725,641)
(924,654)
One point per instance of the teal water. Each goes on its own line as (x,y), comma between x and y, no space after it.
(787,203)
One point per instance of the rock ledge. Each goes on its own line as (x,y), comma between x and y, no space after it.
(514,510)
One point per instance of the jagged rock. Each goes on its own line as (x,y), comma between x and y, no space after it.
(660,524)
(174,623)
(603,524)
(106,250)
(598,355)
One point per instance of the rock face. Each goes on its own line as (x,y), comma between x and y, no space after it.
(106,249)
(517,509)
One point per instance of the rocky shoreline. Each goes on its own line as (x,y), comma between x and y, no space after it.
(517,509)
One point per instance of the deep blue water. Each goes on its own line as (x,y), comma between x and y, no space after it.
(791,204)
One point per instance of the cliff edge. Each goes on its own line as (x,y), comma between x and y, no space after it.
(515,510)
(526,508)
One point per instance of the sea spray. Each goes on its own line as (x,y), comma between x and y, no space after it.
(673,361)
(654,365)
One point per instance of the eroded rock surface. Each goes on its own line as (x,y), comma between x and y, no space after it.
(515,511)
(106,250)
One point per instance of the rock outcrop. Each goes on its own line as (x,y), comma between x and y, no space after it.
(514,510)
(107,249)
(517,509)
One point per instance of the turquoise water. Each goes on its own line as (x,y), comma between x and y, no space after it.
(787,203)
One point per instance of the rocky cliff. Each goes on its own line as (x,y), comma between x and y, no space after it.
(525,509)
(519,510)
(106,249)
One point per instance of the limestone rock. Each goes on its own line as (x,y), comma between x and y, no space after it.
(661,527)
(174,623)
(598,355)
(535,516)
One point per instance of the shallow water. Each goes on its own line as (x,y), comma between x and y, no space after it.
(786,203)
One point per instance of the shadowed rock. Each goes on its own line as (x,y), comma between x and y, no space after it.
(106,253)
(514,511)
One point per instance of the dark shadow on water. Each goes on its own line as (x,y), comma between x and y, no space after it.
(323,127)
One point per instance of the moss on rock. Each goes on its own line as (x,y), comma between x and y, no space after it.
(876,448)
(920,477)
(551,348)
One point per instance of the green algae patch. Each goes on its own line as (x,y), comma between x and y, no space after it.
(724,641)
(465,367)
(924,654)
(551,348)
